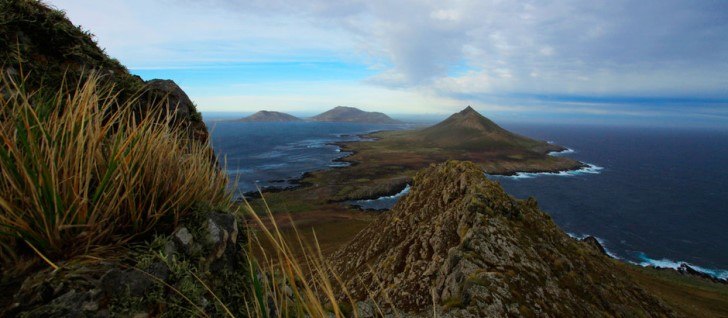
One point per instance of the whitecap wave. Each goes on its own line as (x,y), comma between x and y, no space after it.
(562,152)
(390,197)
(589,169)
(272,166)
(645,261)
(668,263)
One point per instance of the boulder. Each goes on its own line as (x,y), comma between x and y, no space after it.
(175,101)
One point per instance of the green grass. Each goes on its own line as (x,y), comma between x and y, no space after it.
(690,296)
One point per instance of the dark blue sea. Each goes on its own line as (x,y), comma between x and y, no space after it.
(264,155)
(653,196)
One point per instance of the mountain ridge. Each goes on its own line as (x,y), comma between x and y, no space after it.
(458,240)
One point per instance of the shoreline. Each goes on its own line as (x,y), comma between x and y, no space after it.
(297,182)
(343,147)
(716,275)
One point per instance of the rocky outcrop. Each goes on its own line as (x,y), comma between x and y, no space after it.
(55,54)
(594,243)
(175,101)
(686,269)
(169,275)
(460,244)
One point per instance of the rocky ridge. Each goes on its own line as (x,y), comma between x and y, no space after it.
(458,241)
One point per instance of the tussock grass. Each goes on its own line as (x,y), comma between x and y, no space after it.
(288,280)
(80,172)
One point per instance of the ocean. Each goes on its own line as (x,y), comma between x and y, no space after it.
(274,155)
(653,196)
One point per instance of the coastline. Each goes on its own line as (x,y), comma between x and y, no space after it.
(713,274)
(345,147)
(348,151)
(298,183)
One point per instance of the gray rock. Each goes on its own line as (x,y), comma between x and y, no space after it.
(174,101)
(171,96)
(365,309)
(137,282)
(183,239)
(221,229)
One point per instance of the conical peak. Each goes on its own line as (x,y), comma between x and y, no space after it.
(468,110)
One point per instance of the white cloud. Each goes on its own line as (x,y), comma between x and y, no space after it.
(447,47)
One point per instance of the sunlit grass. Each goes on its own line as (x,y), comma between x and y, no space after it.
(81,175)
(80,172)
(291,280)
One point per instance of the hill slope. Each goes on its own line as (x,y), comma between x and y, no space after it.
(40,43)
(459,240)
(270,116)
(353,115)
(466,135)
(468,129)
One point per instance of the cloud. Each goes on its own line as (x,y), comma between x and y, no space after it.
(587,47)
(457,49)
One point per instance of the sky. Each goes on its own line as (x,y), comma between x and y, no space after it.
(648,61)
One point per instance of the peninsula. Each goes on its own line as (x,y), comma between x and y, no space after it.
(386,165)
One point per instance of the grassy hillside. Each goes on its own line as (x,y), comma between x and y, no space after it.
(43,44)
(40,45)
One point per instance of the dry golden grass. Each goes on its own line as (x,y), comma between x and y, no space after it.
(80,173)
(291,281)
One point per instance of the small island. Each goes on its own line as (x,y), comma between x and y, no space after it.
(344,114)
(267,116)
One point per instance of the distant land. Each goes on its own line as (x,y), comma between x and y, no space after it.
(468,130)
(270,116)
(354,115)
(385,166)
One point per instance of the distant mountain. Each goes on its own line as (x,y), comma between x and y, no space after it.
(270,116)
(468,129)
(354,115)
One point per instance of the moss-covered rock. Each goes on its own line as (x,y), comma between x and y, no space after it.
(167,276)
